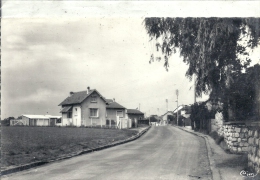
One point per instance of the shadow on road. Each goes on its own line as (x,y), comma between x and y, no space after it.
(234,161)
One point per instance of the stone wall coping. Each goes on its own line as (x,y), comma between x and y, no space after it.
(253,123)
(247,123)
(234,122)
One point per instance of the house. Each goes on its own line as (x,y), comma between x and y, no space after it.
(84,108)
(36,120)
(134,115)
(114,110)
(167,117)
(154,119)
(184,112)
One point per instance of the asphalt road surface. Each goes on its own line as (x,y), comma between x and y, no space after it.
(164,152)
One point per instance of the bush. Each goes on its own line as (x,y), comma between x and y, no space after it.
(200,115)
(216,137)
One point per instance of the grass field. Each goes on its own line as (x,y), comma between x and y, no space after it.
(22,145)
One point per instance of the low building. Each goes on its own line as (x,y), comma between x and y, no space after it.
(166,118)
(134,115)
(36,120)
(114,110)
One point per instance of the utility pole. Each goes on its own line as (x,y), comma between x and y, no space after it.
(194,76)
(149,118)
(177,93)
(166,105)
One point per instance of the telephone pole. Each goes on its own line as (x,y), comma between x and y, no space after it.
(194,76)
(177,94)
(166,105)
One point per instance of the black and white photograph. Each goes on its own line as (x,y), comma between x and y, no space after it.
(130,90)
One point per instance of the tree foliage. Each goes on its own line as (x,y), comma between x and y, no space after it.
(243,96)
(200,116)
(212,47)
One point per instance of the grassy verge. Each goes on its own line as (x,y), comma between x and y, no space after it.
(220,141)
(21,145)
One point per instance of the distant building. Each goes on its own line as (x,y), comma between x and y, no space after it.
(36,120)
(135,114)
(166,117)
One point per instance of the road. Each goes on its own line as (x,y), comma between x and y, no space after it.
(164,152)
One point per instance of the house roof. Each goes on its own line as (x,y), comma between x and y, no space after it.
(179,108)
(167,113)
(78,97)
(50,116)
(65,109)
(109,100)
(134,111)
(35,116)
(113,105)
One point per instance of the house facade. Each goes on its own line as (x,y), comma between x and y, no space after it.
(114,110)
(166,117)
(134,115)
(84,108)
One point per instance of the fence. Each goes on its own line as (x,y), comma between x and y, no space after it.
(143,121)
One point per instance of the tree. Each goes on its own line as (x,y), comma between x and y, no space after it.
(6,121)
(244,96)
(212,47)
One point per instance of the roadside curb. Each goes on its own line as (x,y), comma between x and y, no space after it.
(215,172)
(74,154)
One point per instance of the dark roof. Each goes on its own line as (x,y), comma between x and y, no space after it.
(167,112)
(109,100)
(113,105)
(78,97)
(65,109)
(134,111)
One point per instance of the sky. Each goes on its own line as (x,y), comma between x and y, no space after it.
(53,48)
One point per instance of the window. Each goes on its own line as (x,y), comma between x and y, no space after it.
(93,112)
(58,120)
(93,99)
(69,114)
(119,113)
(75,112)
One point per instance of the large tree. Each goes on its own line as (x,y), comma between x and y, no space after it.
(214,48)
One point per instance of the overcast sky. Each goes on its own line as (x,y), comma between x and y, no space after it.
(54,48)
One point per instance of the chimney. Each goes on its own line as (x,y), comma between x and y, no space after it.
(71,93)
(114,100)
(88,89)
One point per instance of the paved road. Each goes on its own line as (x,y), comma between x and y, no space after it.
(164,152)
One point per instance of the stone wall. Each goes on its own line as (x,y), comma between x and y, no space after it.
(235,135)
(254,148)
(218,123)
(241,137)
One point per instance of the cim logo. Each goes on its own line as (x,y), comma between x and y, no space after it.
(248,174)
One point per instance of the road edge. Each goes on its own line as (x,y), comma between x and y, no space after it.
(40,163)
(214,171)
